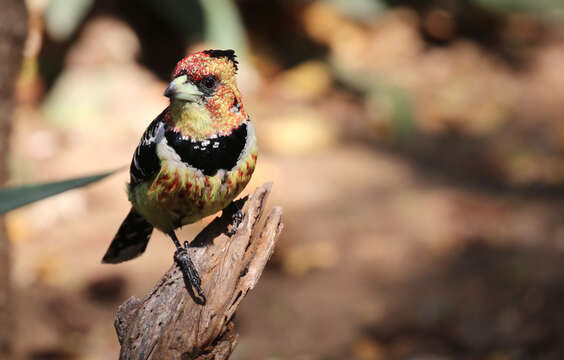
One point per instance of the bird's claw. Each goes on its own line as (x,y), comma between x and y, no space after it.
(237,220)
(191,266)
(191,277)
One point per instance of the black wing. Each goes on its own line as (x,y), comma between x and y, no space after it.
(145,163)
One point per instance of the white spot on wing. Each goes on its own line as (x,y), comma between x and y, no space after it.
(148,138)
(165,152)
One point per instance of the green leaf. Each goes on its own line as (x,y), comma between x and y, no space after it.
(403,122)
(14,197)
(548,9)
(63,17)
(224,27)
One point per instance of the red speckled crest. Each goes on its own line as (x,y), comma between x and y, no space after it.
(221,63)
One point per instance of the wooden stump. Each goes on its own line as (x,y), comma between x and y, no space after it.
(168,324)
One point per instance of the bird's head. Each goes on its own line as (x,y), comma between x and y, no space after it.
(204,98)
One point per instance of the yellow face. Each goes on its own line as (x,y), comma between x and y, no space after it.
(205,100)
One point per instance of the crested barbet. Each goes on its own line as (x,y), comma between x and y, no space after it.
(192,160)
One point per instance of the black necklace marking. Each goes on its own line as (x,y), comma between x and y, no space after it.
(210,155)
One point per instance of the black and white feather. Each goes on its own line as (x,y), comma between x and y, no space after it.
(145,163)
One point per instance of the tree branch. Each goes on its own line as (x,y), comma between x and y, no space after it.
(168,324)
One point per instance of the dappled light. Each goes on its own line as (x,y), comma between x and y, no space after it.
(416,147)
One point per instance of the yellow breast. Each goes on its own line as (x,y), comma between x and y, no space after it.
(183,195)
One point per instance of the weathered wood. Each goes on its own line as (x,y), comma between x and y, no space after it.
(168,324)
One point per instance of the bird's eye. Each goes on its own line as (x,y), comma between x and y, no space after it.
(208,82)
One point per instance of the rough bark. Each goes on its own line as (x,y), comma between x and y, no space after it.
(168,324)
(12,35)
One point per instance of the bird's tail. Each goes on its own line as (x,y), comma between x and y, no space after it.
(130,240)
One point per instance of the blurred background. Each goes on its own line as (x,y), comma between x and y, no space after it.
(417,148)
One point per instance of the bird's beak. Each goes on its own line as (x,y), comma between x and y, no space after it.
(183,89)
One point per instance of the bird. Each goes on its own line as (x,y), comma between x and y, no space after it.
(192,161)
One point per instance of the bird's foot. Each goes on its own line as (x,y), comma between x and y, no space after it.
(191,277)
(237,220)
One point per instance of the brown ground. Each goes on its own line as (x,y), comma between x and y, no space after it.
(377,260)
